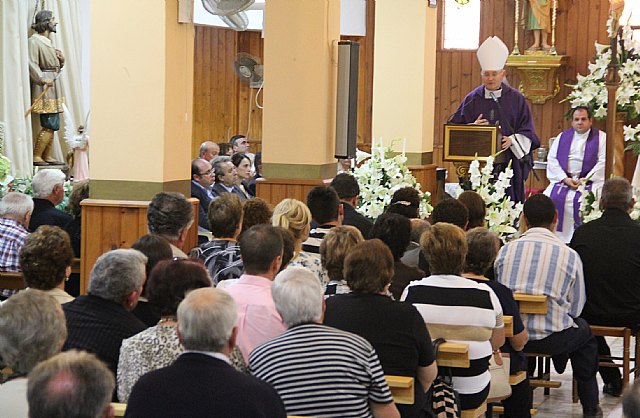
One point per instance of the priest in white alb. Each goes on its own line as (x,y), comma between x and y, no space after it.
(576,157)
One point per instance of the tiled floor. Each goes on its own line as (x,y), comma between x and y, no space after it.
(559,403)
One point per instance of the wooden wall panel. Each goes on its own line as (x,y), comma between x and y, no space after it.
(111,224)
(579,24)
(223,106)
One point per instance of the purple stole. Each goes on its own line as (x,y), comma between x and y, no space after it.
(560,190)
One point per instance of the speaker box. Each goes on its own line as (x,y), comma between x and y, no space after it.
(347,99)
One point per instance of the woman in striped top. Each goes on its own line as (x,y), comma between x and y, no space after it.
(458,309)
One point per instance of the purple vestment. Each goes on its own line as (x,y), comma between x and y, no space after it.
(560,190)
(518,115)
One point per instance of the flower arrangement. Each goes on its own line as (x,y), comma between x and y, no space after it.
(379,175)
(502,213)
(591,91)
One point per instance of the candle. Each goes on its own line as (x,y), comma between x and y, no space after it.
(404,145)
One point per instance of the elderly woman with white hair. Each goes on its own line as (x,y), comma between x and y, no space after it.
(48,192)
(32,329)
(318,370)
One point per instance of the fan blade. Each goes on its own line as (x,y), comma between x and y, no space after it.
(238,22)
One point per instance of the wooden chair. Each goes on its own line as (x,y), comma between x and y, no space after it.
(402,388)
(474,413)
(11,280)
(118,409)
(531,304)
(508,326)
(453,355)
(537,305)
(610,361)
(75,266)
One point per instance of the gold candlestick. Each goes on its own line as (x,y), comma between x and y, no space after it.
(553,50)
(516,51)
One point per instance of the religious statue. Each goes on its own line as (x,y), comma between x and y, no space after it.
(77,140)
(539,22)
(45,64)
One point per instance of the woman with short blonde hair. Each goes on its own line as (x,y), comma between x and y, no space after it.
(295,216)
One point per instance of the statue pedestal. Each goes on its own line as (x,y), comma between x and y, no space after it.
(538,75)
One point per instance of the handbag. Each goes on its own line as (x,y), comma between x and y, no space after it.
(443,398)
(500,388)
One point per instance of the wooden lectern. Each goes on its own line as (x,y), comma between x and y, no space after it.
(464,143)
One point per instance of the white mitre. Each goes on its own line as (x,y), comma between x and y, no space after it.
(492,54)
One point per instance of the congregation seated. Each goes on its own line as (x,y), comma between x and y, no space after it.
(609,250)
(258,320)
(15,213)
(46,258)
(318,370)
(71,385)
(334,248)
(201,382)
(539,263)
(170,216)
(288,246)
(221,255)
(346,185)
(326,213)
(156,249)
(396,330)
(158,346)
(74,229)
(411,254)
(483,247)
(225,150)
(472,316)
(476,208)
(48,191)
(99,321)
(295,216)
(450,211)
(208,150)
(32,329)
(201,182)
(395,231)
(243,170)
(257,169)
(406,202)
(255,211)
(225,177)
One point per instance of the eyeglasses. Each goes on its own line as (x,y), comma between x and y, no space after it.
(206,173)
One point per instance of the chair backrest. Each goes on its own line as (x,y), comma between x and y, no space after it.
(11,280)
(531,304)
(402,389)
(508,325)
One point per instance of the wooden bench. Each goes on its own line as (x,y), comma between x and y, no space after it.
(508,326)
(474,413)
(500,410)
(453,355)
(402,388)
(531,304)
(118,409)
(11,280)
(75,266)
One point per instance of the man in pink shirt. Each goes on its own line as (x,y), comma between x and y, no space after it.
(258,320)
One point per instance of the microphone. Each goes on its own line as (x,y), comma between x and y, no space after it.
(462,107)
